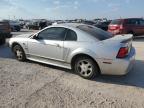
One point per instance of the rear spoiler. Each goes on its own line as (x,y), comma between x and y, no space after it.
(126,38)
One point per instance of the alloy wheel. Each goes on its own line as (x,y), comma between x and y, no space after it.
(85,68)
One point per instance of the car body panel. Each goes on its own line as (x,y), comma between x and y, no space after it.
(46,48)
(118,66)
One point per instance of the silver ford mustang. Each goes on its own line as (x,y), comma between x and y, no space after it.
(87,50)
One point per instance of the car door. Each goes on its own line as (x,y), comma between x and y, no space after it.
(48,44)
(132,26)
(141,27)
(137,27)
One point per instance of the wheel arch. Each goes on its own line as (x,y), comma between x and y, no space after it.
(23,52)
(14,44)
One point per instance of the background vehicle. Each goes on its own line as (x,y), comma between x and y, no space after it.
(32,25)
(22,23)
(38,24)
(103,25)
(88,22)
(133,26)
(44,23)
(15,26)
(5,30)
(86,49)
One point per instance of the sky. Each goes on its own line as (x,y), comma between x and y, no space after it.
(70,9)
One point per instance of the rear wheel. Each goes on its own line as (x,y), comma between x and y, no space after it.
(86,67)
(19,53)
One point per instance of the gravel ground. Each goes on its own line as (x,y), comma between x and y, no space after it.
(34,85)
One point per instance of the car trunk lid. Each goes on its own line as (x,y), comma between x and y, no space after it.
(123,38)
(123,42)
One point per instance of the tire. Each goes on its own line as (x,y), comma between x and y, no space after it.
(86,67)
(19,53)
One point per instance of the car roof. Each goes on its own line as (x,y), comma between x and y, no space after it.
(74,25)
(127,18)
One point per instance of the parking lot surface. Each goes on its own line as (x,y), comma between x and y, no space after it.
(34,85)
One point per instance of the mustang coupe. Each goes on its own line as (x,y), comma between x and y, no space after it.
(88,50)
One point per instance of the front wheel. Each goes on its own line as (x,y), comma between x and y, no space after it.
(86,67)
(19,53)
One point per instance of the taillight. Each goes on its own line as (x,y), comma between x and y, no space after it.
(121,27)
(116,27)
(123,52)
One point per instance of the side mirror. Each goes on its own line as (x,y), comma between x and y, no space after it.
(36,37)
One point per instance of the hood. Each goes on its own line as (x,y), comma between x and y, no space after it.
(24,35)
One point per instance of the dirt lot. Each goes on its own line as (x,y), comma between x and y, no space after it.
(33,85)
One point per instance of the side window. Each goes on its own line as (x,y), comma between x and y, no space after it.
(71,36)
(142,22)
(54,33)
(133,22)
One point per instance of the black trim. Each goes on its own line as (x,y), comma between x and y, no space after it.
(67,33)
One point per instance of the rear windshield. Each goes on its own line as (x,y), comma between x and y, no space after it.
(116,22)
(96,32)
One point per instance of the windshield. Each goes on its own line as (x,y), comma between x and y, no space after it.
(96,32)
(118,21)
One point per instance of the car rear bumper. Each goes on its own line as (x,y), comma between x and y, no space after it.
(119,66)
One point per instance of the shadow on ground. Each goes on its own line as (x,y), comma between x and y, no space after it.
(5,52)
(134,78)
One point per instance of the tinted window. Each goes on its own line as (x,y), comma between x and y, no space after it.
(116,22)
(55,33)
(96,32)
(142,22)
(71,36)
(133,21)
